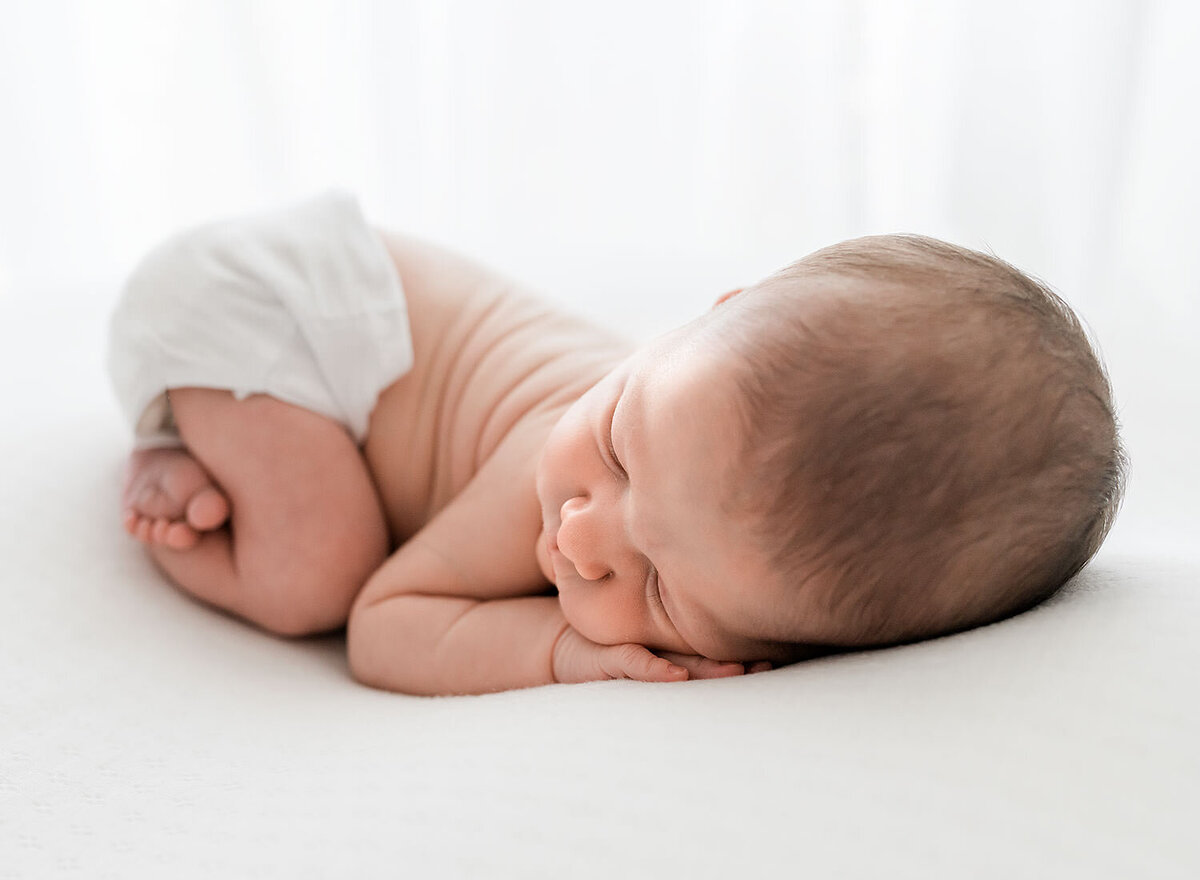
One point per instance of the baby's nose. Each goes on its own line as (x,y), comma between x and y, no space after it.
(579,539)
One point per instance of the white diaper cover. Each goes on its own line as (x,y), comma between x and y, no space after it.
(303,304)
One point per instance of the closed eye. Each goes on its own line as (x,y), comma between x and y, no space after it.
(653,596)
(611,448)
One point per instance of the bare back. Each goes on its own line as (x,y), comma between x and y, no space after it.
(490,362)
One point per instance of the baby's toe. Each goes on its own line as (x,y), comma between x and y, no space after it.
(180,536)
(158,531)
(141,529)
(207,509)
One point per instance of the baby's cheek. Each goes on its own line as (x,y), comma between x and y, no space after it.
(576,610)
(587,613)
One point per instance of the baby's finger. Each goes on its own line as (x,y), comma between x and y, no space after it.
(636,662)
(760,666)
(703,667)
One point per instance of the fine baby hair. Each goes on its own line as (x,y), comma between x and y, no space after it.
(929,438)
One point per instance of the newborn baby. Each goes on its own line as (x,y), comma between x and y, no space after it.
(892,439)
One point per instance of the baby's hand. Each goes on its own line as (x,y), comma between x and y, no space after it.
(578,659)
(703,667)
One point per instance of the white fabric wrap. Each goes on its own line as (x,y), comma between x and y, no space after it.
(303,304)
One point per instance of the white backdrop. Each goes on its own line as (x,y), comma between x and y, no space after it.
(634,159)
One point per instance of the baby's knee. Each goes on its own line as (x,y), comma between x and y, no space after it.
(295,590)
(296,624)
(304,607)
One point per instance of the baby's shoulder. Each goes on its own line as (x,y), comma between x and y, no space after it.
(493,350)
(533,362)
(493,362)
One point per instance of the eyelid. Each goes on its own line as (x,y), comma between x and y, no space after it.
(654,591)
(609,446)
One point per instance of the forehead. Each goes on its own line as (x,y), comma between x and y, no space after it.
(683,441)
(687,394)
(685,418)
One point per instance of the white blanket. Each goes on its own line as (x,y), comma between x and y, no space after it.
(144,735)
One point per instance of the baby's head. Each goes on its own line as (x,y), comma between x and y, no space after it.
(893,438)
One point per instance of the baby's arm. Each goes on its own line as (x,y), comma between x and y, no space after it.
(426,643)
(450,611)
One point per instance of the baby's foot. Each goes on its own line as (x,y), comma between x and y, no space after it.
(170,499)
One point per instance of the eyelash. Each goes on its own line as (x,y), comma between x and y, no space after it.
(653,596)
(612,450)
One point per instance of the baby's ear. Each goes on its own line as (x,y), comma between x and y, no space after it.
(726,296)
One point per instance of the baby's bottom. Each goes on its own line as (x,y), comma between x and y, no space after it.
(269,512)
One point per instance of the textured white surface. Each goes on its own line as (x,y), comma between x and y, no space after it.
(143,735)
